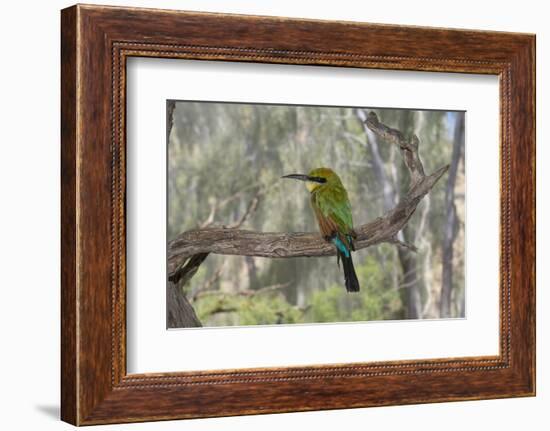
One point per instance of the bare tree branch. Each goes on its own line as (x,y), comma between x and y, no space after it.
(251,207)
(409,148)
(216,204)
(229,241)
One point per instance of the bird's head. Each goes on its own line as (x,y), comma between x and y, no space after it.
(316,178)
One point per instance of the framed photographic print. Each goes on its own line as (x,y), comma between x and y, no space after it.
(266,215)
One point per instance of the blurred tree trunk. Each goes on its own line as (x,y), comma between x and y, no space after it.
(411,284)
(252,272)
(451,221)
(408,258)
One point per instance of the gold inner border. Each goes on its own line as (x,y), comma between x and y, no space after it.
(120,380)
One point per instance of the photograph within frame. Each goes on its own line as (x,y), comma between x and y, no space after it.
(215,189)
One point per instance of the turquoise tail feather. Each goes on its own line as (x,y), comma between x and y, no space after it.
(343,253)
(340,246)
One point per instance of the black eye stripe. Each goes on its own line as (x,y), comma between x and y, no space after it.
(320,180)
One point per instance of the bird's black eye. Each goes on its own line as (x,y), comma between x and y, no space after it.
(319,180)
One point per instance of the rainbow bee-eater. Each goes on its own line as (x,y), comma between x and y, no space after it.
(330,203)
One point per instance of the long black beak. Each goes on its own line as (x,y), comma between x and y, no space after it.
(300,177)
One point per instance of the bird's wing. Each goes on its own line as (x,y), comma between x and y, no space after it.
(342,214)
(333,211)
(327,225)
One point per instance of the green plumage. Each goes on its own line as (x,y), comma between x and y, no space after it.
(330,201)
(332,208)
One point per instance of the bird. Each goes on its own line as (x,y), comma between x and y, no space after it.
(332,209)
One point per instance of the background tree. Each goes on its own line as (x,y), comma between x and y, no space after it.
(452,222)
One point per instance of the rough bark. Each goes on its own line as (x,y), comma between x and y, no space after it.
(451,222)
(179,313)
(187,251)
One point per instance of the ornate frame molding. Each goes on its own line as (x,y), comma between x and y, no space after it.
(96,42)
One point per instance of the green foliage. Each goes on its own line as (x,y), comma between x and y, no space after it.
(257,309)
(375,301)
(269,309)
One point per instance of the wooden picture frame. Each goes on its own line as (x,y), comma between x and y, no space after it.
(96,41)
